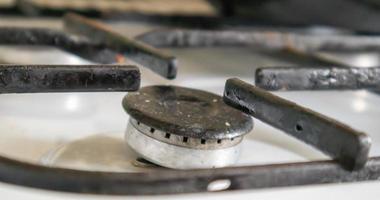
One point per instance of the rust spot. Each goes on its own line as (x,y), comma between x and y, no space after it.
(120,58)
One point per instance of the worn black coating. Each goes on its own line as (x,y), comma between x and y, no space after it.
(186,112)
(68,78)
(38,8)
(298,42)
(165,181)
(159,62)
(205,38)
(176,20)
(318,78)
(274,40)
(45,37)
(339,141)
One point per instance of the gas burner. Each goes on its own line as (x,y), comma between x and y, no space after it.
(184,128)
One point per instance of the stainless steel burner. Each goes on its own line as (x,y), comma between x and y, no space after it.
(183,128)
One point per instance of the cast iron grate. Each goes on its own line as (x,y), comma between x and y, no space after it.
(348,164)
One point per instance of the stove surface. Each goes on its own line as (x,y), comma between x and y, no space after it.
(86,130)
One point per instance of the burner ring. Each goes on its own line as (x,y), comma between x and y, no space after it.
(184,128)
(186,112)
(178,157)
(183,141)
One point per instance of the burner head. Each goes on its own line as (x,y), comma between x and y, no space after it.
(184,128)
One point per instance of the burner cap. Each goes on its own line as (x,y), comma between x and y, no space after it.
(184,128)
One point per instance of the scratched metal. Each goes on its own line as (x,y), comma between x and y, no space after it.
(68,78)
(264,39)
(318,78)
(182,181)
(158,61)
(46,37)
(170,181)
(339,141)
(186,112)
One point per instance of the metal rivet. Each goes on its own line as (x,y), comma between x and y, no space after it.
(219,185)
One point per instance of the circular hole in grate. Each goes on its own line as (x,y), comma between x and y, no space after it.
(299,128)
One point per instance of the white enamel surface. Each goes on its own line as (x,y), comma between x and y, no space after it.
(85,131)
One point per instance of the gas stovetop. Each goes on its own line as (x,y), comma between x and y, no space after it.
(85,131)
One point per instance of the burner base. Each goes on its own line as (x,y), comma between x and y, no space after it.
(178,157)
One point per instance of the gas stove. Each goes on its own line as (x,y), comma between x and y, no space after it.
(65,132)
